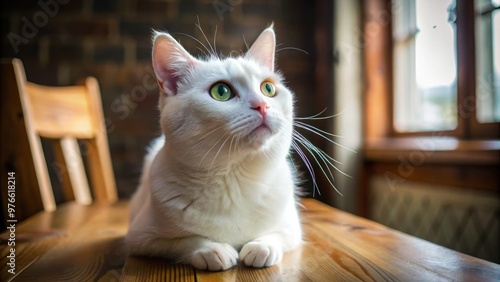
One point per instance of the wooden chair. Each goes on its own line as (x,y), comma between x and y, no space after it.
(61,114)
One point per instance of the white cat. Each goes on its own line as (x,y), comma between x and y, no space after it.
(217,188)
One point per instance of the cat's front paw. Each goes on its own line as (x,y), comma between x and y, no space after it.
(257,254)
(215,257)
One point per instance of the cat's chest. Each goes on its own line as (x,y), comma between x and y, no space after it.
(232,208)
(238,196)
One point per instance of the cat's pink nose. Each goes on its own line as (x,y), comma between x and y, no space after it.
(261,106)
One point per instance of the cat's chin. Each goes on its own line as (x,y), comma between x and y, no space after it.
(261,131)
(259,137)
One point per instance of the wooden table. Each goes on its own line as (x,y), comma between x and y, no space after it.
(85,243)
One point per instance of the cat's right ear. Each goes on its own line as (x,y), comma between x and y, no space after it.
(170,60)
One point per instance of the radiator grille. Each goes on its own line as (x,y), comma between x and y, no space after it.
(465,221)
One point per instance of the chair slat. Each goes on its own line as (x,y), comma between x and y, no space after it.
(60,111)
(59,166)
(74,169)
(100,173)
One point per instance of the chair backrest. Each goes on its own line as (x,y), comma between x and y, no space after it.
(63,115)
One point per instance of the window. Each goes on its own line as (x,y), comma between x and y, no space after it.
(425,66)
(488,60)
(446,67)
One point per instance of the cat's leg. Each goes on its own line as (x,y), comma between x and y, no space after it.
(214,256)
(152,235)
(197,251)
(268,250)
(262,252)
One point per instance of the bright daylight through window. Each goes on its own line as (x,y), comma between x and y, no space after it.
(488,60)
(425,68)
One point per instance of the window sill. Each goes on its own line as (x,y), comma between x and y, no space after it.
(437,150)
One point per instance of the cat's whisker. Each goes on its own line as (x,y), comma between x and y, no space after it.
(233,148)
(202,51)
(236,145)
(326,138)
(324,161)
(245,41)
(239,144)
(292,162)
(308,143)
(292,48)
(322,153)
(308,165)
(318,116)
(235,53)
(215,36)
(230,148)
(218,152)
(313,116)
(268,155)
(314,129)
(198,41)
(322,166)
(323,157)
(206,154)
(213,52)
(212,131)
(199,140)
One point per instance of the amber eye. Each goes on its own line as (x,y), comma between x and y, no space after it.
(221,92)
(268,89)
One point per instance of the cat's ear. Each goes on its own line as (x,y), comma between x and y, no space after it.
(262,50)
(170,60)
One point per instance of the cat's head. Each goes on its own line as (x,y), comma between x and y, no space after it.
(218,109)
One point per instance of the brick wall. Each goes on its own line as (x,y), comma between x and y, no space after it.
(63,41)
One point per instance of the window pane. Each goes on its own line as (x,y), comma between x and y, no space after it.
(488,60)
(425,67)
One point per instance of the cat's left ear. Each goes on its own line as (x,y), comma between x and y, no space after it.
(170,62)
(262,50)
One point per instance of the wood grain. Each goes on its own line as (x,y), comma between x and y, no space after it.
(85,243)
(60,111)
(76,242)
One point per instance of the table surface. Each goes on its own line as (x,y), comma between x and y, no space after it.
(85,243)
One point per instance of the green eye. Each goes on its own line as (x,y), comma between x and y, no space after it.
(268,89)
(221,92)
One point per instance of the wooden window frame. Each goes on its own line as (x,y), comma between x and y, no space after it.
(379,77)
(467,157)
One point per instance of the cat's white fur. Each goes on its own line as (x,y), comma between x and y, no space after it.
(217,188)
